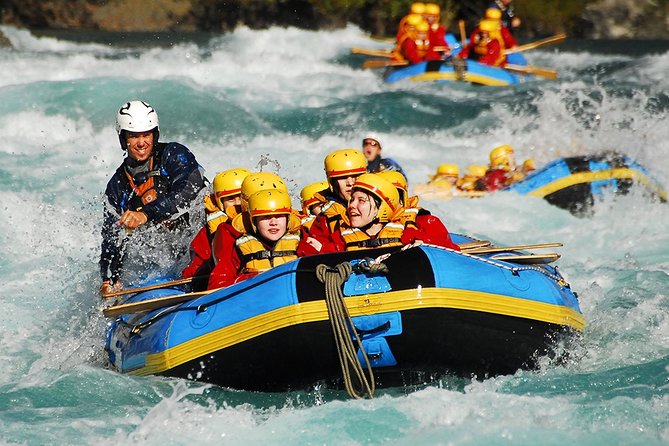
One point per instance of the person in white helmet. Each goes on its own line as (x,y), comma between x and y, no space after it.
(156,184)
(371,148)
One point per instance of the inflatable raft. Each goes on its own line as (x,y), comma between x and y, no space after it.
(457,70)
(430,311)
(575,183)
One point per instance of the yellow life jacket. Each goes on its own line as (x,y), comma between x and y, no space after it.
(335,213)
(390,235)
(308,221)
(255,256)
(481,46)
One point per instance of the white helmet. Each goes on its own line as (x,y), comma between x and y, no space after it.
(374,136)
(136,116)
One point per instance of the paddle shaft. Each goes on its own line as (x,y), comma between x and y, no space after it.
(153,304)
(531,69)
(539,43)
(150,287)
(463,35)
(510,248)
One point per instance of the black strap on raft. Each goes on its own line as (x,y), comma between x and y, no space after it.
(265,255)
(342,327)
(376,242)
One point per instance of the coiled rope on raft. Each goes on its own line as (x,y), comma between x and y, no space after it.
(342,326)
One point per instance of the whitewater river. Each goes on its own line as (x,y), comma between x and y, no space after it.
(281,99)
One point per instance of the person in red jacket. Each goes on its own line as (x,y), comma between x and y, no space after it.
(500,169)
(415,46)
(433,229)
(222,206)
(437,32)
(267,235)
(486,44)
(342,167)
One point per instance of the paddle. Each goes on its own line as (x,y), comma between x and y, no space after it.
(531,69)
(539,43)
(530,259)
(473,245)
(150,287)
(463,35)
(152,304)
(510,248)
(372,52)
(379,63)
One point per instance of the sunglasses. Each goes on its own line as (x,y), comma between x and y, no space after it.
(370,142)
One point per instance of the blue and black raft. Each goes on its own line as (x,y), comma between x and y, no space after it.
(414,313)
(576,183)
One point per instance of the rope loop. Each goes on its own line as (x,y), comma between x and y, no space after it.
(342,328)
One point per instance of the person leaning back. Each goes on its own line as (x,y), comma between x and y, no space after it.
(155,184)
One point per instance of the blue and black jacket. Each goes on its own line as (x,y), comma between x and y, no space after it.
(177,180)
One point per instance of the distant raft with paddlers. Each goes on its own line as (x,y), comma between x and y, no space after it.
(454,69)
(573,183)
(417,313)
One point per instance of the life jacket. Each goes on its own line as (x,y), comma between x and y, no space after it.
(481,47)
(308,221)
(144,187)
(334,213)
(390,235)
(257,257)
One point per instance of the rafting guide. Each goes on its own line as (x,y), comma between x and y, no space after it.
(148,198)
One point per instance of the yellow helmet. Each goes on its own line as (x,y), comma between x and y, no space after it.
(414,19)
(477,170)
(258,181)
(432,9)
(493,14)
(417,8)
(228,183)
(500,156)
(447,170)
(344,163)
(383,189)
(490,26)
(529,165)
(399,181)
(423,27)
(268,202)
(308,193)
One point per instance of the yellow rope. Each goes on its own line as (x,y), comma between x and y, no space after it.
(340,319)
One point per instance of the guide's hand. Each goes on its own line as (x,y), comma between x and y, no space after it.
(133,219)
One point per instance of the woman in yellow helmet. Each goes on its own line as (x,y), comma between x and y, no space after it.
(268,233)
(376,219)
(222,205)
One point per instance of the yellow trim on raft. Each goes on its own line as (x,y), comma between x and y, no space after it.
(468,77)
(358,306)
(588,177)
